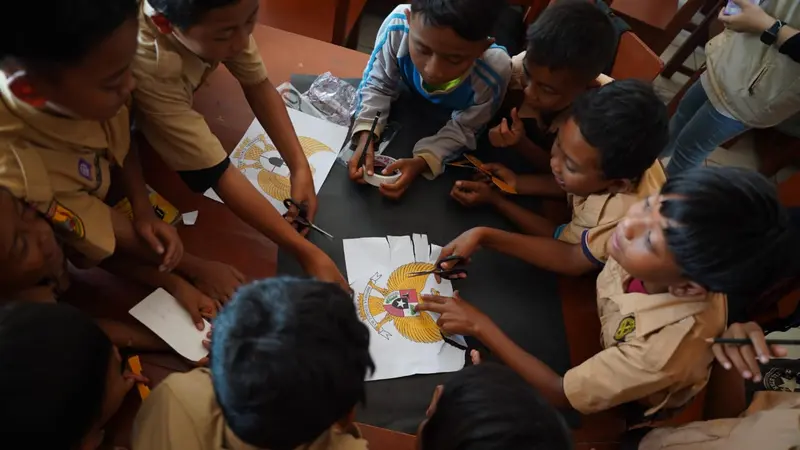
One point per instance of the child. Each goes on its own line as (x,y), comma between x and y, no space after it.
(604,158)
(64,126)
(488,406)
(180,43)
(33,268)
(569,45)
(750,82)
(709,232)
(771,417)
(441,50)
(288,363)
(61,379)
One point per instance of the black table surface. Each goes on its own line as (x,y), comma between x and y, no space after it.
(520,298)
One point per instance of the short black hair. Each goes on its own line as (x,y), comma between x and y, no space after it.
(58,32)
(627,123)
(574,35)
(186,13)
(53,368)
(473,20)
(731,234)
(489,407)
(289,358)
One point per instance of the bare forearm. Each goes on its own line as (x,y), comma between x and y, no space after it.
(248,204)
(785,33)
(535,372)
(527,221)
(544,185)
(139,271)
(543,252)
(270,111)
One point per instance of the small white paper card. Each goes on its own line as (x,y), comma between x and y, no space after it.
(162,314)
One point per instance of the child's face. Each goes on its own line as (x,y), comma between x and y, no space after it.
(551,90)
(439,54)
(223,32)
(575,163)
(29,251)
(639,246)
(97,87)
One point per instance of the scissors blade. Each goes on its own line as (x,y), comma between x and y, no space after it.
(330,236)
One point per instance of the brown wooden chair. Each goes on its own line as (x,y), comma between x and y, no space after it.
(335,21)
(657,22)
(635,60)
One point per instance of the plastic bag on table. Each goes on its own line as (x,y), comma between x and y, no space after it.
(333,97)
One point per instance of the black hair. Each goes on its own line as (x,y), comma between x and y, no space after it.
(60,32)
(289,358)
(489,407)
(574,35)
(186,13)
(473,20)
(54,364)
(730,232)
(627,123)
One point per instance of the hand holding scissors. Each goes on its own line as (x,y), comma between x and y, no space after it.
(447,274)
(301,219)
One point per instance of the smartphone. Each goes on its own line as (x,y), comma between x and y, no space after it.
(731,9)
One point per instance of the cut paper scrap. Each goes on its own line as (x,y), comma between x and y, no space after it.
(190,218)
(164,316)
(258,159)
(403,340)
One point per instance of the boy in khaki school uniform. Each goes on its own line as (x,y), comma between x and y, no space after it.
(673,258)
(604,159)
(289,358)
(65,130)
(180,44)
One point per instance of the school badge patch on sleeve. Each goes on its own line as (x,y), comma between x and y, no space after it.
(626,326)
(65,220)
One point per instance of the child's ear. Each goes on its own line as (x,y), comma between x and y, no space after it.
(162,23)
(21,86)
(687,289)
(347,421)
(620,186)
(408,14)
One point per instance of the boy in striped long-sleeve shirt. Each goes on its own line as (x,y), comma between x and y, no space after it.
(443,51)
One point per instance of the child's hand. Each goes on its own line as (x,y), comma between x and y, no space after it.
(505,136)
(474,193)
(163,239)
(410,168)
(195,302)
(752,19)
(464,246)
(207,345)
(321,266)
(355,172)
(303,192)
(745,358)
(502,172)
(457,316)
(216,280)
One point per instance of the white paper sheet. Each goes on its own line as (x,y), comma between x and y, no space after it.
(403,341)
(162,313)
(258,159)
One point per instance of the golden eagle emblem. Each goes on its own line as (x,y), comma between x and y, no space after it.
(273,174)
(397,303)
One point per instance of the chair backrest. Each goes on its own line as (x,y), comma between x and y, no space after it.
(635,60)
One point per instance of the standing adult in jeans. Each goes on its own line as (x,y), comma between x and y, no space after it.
(752,81)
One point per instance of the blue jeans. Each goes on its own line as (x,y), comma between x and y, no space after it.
(696,130)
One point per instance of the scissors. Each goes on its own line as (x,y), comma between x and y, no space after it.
(302,217)
(447,274)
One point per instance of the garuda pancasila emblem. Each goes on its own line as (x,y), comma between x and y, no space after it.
(273,173)
(397,303)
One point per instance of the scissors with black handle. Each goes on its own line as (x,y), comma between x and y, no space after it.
(301,219)
(448,274)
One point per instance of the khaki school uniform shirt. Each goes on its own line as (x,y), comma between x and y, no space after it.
(594,218)
(167,75)
(62,166)
(183,413)
(771,422)
(655,349)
